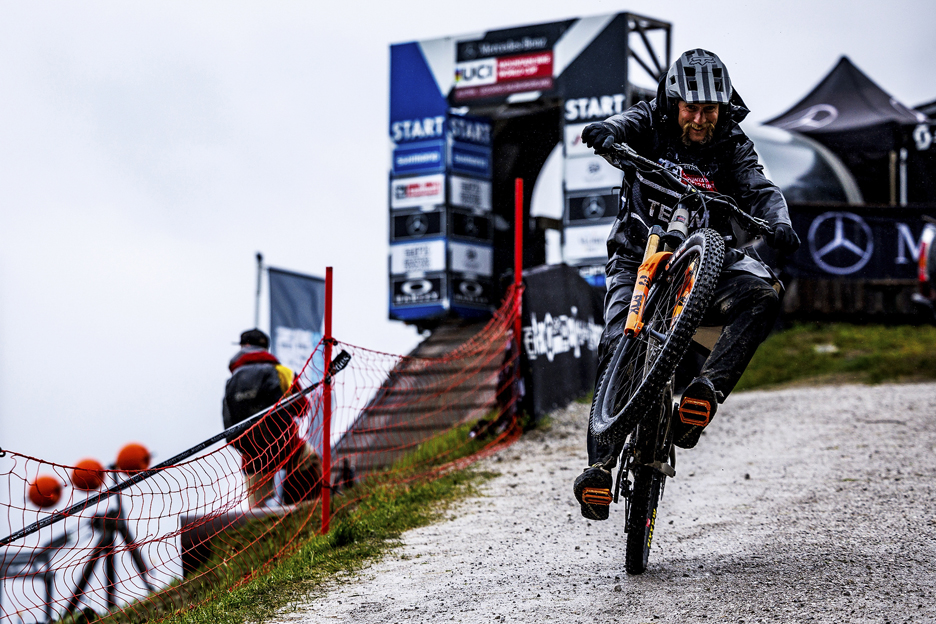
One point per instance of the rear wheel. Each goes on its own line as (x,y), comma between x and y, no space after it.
(641,518)
(640,367)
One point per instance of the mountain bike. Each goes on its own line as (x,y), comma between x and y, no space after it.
(635,399)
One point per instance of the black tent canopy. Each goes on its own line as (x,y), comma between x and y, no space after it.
(885,144)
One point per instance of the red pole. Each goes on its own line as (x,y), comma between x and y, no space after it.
(518,281)
(327,407)
(518,231)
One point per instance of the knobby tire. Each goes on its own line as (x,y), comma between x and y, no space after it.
(640,367)
(641,518)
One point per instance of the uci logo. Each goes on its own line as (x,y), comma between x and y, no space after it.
(415,288)
(476,73)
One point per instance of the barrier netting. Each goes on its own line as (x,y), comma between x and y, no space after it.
(137,543)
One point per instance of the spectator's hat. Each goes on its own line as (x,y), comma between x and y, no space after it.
(256,338)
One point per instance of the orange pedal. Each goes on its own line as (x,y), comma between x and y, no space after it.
(597,496)
(695,412)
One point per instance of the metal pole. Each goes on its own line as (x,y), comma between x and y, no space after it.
(257,302)
(903,176)
(327,407)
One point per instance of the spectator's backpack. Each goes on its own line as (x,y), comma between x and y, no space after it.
(256,384)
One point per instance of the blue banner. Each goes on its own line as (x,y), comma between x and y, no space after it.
(414,158)
(417,105)
(471,159)
(297,311)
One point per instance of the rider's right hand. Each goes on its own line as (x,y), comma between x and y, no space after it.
(599,136)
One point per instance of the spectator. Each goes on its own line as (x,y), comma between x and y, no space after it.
(258,381)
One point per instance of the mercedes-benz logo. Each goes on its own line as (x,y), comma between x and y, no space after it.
(471,227)
(840,243)
(417,225)
(470,51)
(593,207)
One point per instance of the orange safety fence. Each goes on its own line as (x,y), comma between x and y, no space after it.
(139,543)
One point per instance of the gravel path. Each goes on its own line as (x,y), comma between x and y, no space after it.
(800,505)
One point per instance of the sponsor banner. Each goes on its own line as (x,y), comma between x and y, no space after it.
(470,130)
(498,75)
(471,159)
(470,193)
(469,258)
(472,292)
(416,225)
(562,325)
(588,242)
(417,291)
(297,312)
(574,146)
(591,208)
(501,89)
(511,42)
(858,243)
(469,225)
(423,257)
(428,190)
(589,173)
(416,158)
(525,67)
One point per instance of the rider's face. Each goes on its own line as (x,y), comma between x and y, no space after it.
(697,121)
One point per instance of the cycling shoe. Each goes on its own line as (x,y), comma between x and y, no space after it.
(592,490)
(698,406)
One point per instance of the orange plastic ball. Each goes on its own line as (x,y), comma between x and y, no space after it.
(88,475)
(45,491)
(132,457)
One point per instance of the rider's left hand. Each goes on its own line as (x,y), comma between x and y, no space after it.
(785,239)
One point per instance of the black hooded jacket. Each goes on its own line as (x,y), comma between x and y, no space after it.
(728,161)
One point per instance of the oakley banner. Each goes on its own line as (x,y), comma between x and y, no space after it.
(562,324)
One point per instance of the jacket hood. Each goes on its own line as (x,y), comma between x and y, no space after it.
(251,355)
(729,117)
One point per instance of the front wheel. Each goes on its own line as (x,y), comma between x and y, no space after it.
(641,518)
(641,367)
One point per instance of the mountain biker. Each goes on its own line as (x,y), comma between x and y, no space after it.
(692,129)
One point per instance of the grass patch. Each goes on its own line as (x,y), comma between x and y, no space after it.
(368,521)
(836,352)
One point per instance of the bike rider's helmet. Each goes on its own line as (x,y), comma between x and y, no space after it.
(698,76)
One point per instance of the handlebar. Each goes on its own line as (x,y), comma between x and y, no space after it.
(623,156)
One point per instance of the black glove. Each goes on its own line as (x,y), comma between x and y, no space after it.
(599,136)
(784,239)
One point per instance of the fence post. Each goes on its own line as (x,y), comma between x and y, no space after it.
(518,284)
(327,407)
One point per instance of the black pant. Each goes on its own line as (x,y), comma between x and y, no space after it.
(746,306)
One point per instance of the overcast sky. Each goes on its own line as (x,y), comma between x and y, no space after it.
(149,149)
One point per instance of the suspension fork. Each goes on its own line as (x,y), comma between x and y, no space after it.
(646,273)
